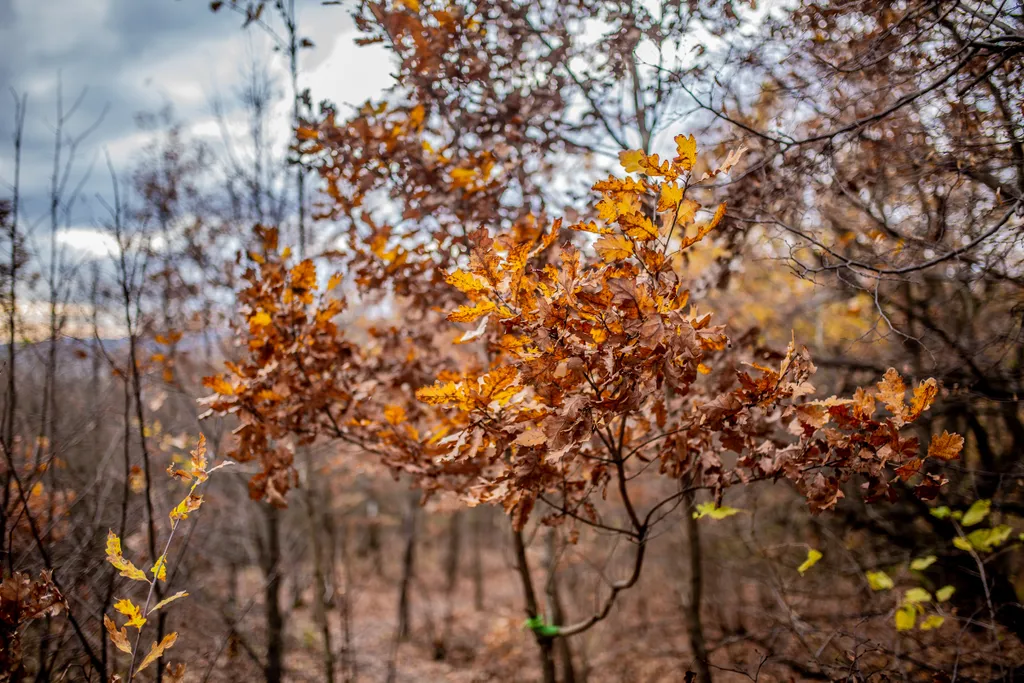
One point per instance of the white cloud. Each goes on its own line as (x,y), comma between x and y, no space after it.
(89,242)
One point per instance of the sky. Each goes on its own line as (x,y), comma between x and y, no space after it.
(132,56)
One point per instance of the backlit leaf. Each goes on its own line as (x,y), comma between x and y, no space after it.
(812,559)
(945,446)
(879,581)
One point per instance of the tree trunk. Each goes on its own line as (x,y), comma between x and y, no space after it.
(555,609)
(545,644)
(692,597)
(408,568)
(274,667)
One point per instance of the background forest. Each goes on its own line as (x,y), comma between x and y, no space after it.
(608,341)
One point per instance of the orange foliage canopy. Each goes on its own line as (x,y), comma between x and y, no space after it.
(598,367)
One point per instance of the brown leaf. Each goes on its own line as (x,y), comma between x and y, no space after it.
(945,446)
(156,651)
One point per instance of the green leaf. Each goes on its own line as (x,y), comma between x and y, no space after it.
(915,596)
(933,621)
(812,559)
(944,593)
(906,617)
(977,512)
(922,563)
(941,512)
(714,512)
(879,581)
(540,627)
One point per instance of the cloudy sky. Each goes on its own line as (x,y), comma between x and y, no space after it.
(138,56)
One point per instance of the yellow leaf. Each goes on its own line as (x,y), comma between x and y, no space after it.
(977,512)
(916,596)
(334,281)
(467,314)
(442,392)
(933,621)
(115,558)
(812,559)
(467,283)
(638,226)
(394,414)
(686,151)
(906,617)
(613,247)
(879,581)
(159,569)
(119,637)
(167,601)
(632,160)
(156,651)
(717,218)
(703,369)
(499,385)
(132,611)
(189,504)
(922,563)
(944,593)
(670,197)
(261,319)
(714,511)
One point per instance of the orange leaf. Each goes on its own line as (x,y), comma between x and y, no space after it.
(945,446)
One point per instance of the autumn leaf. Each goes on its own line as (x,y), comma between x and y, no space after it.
(977,512)
(945,446)
(686,151)
(944,593)
(812,559)
(115,558)
(467,314)
(260,319)
(219,385)
(156,651)
(132,611)
(670,197)
(638,226)
(499,384)
(879,581)
(924,396)
(984,540)
(394,414)
(167,601)
(613,247)
(906,617)
(175,673)
(159,570)
(531,437)
(922,563)
(303,276)
(119,637)
(713,511)
(468,283)
(891,392)
(717,218)
(932,621)
(190,503)
(632,160)
(441,392)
